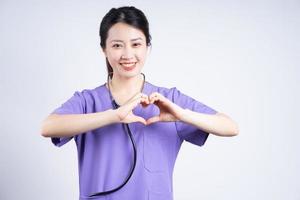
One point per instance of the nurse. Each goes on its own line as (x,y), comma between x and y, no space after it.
(136,165)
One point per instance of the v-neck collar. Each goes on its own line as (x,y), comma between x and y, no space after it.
(145,90)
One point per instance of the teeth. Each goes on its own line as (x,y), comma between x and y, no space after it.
(128,64)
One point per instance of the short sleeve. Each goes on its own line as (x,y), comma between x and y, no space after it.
(74,105)
(187,131)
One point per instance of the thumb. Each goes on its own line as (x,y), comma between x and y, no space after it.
(139,119)
(153,120)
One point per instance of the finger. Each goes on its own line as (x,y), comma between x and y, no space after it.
(139,96)
(153,120)
(135,101)
(145,101)
(155,97)
(125,109)
(144,104)
(140,119)
(130,104)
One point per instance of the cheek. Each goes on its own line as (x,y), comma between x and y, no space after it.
(114,56)
(142,55)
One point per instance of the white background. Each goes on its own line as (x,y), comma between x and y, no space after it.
(238,57)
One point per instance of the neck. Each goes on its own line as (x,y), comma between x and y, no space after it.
(123,85)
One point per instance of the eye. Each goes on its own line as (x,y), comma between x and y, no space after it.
(136,44)
(117,45)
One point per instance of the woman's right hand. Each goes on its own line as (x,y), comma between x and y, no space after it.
(125,113)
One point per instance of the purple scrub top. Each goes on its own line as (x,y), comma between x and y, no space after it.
(105,155)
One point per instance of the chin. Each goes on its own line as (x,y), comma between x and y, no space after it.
(130,74)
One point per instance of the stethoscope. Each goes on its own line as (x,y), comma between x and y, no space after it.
(127,129)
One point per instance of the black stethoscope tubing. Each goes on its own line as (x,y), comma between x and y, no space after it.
(127,129)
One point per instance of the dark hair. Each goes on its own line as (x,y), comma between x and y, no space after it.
(126,14)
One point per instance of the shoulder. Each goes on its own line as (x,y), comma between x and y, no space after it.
(90,95)
(91,92)
(94,99)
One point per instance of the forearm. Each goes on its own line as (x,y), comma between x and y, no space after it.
(73,124)
(218,124)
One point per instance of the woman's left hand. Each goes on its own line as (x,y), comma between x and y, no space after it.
(169,111)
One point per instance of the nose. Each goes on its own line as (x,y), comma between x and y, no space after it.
(127,53)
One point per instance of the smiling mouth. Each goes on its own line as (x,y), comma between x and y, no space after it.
(128,66)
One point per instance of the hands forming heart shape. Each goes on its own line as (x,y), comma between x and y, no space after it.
(168,110)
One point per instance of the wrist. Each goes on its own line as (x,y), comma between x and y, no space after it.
(114,116)
(185,113)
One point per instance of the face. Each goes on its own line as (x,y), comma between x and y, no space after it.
(126,50)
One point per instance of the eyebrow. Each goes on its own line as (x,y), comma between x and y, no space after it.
(139,38)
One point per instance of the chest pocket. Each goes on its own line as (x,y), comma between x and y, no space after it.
(158,146)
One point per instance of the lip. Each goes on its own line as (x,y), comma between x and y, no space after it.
(128,68)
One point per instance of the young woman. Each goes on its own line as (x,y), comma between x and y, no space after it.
(128,131)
